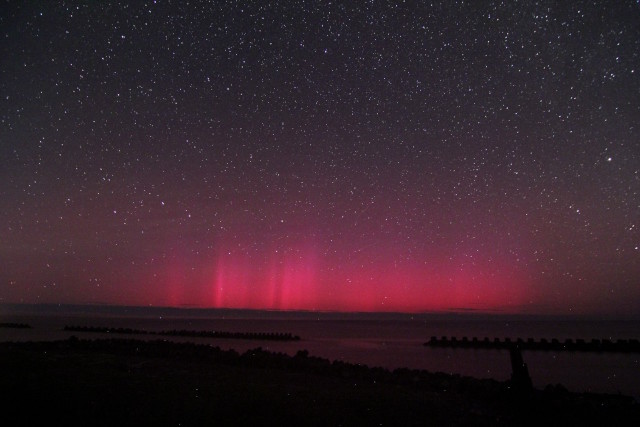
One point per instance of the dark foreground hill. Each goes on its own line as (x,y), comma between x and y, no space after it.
(160,383)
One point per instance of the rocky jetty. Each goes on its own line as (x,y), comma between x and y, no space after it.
(594,345)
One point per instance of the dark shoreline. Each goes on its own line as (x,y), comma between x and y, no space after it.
(104,382)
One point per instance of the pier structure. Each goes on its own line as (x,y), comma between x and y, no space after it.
(520,379)
(594,345)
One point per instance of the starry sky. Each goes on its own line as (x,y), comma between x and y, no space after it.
(351,156)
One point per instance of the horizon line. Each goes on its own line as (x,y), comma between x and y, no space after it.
(460,311)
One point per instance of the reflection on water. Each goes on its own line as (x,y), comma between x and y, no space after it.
(391,343)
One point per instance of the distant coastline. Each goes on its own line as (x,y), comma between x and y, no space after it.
(104,309)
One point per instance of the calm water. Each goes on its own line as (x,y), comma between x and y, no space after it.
(390,341)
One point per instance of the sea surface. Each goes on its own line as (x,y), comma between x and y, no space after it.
(389,340)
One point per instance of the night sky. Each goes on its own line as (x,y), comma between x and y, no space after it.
(369,156)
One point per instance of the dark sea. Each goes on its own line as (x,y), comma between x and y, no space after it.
(389,340)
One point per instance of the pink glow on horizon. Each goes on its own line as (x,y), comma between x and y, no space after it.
(286,281)
(422,289)
(299,280)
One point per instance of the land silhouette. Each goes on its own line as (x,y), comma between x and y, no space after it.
(158,382)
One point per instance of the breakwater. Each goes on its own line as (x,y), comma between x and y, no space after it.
(269,336)
(15,325)
(593,345)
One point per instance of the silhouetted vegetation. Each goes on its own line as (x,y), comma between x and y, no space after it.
(134,382)
(272,336)
(15,325)
(595,345)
